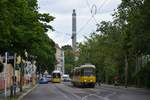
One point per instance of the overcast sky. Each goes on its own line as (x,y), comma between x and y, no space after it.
(62,10)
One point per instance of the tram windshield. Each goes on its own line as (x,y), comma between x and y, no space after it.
(56,75)
(88,72)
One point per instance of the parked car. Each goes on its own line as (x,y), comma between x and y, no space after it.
(43,80)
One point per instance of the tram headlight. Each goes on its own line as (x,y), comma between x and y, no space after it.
(84,80)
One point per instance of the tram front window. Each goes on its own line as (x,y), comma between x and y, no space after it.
(88,72)
(56,75)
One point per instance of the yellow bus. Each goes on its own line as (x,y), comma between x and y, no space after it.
(84,76)
(56,76)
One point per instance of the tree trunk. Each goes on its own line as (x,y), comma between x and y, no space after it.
(126,71)
(106,75)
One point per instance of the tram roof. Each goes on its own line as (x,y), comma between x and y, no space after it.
(85,66)
(56,71)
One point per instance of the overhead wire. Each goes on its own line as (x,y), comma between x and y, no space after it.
(87,22)
(62,32)
(67,34)
(94,7)
(103,3)
(91,11)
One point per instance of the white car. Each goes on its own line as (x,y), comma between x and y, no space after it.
(49,78)
(66,78)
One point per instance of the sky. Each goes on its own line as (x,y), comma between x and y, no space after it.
(89,13)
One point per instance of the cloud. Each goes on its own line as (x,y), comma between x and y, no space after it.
(62,10)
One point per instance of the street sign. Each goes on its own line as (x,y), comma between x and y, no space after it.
(8,58)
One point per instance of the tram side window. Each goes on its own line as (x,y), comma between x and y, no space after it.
(71,74)
(78,73)
(82,72)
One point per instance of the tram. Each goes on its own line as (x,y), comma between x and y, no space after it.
(84,76)
(56,76)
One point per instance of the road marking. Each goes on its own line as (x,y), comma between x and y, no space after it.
(100,97)
(109,95)
(67,97)
(64,95)
(61,93)
(95,94)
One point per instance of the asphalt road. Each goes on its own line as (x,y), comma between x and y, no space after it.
(65,91)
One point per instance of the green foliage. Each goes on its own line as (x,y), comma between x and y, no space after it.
(69,58)
(128,35)
(23,27)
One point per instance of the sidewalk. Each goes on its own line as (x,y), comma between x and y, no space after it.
(2,93)
(18,93)
(128,88)
(27,91)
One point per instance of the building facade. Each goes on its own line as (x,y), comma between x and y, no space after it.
(59,58)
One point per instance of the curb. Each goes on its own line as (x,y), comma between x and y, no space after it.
(128,88)
(24,94)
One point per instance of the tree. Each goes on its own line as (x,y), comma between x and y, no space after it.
(119,47)
(23,27)
(69,58)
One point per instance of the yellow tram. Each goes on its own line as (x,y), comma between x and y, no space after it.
(56,76)
(84,76)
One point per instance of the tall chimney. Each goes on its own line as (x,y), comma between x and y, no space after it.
(74,30)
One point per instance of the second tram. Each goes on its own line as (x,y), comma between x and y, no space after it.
(56,76)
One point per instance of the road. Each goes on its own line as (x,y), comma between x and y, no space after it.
(65,91)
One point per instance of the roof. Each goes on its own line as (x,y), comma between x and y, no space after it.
(87,65)
(56,71)
(66,75)
(84,66)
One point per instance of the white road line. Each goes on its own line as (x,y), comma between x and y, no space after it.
(61,93)
(78,97)
(67,96)
(64,95)
(100,97)
(107,96)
